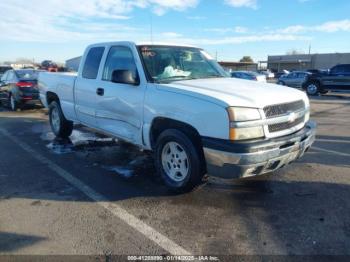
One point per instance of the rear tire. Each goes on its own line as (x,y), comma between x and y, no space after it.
(13,104)
(178,161)
(60,126)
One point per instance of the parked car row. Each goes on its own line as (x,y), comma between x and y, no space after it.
(316,82)
(248,75)
(18,88)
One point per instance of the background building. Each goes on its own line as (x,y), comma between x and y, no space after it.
(304,62)
(239,66)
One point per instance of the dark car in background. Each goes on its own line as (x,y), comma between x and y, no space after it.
(3,69)
(18,88)
(336,79)
(248,75)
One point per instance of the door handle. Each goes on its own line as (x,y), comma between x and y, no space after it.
(100,91)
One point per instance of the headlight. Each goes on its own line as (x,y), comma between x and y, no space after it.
(237,114)
(243,114)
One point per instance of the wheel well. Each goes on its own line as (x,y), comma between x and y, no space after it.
(50,97)
(161,124)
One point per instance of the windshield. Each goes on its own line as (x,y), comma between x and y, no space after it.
(172,63)
(27,74)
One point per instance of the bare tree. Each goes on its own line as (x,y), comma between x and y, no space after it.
(295,52)
(23,60)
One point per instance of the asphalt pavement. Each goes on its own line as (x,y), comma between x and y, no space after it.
(93,195)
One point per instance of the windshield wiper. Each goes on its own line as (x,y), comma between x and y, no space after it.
(174,78)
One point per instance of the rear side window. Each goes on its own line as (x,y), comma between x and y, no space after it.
(92,62)
(119,58)
(4,77)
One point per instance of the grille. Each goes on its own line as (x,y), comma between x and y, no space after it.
(285,125)
(283,109)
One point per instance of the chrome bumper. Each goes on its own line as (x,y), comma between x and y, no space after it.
(267,157)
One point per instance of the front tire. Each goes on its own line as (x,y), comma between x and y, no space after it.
(60,126)
(281,83)
(178,161)
(312,88)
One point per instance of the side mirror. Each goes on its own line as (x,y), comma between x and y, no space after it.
(125,77)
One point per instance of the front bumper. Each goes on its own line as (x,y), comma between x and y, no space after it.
(228,159)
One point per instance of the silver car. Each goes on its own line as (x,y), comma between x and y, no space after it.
(248,75)
(294,79)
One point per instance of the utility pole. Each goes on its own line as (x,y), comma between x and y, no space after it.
(309,49)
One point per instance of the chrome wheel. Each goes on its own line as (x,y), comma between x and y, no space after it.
(312,89)
(55,120)
(175,161)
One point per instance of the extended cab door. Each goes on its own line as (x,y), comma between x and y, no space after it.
(119,107)
(85,89)
(338,78)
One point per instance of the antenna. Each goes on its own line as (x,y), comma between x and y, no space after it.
(151,28)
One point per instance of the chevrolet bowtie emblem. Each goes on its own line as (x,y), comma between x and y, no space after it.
(291,117)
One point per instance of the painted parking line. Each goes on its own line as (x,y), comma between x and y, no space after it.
(149,232)
(330,151)
(333,141)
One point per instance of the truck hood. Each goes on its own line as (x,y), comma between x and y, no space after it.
(236,92)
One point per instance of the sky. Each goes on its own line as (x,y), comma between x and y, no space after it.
(228,29)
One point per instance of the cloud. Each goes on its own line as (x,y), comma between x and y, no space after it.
(160,7)
(196,17)
(171,34)
(327,27)
(253,39)
(237,39)
(224,30)
(70,20)
(242,3)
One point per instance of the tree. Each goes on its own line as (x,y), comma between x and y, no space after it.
(246,59)
(23,60)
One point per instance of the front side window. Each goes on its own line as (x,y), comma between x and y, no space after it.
(119,58)
(92,62)
(338,69)
(173,63)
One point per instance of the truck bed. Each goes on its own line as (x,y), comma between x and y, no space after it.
(61,84)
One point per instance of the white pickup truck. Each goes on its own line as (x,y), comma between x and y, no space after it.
(178,102)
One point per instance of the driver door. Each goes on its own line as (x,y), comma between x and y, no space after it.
(119,108)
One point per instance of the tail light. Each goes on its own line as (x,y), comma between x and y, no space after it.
(24,84)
